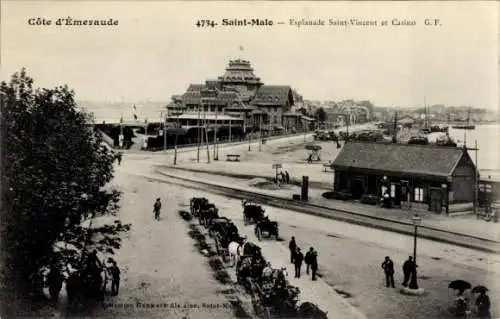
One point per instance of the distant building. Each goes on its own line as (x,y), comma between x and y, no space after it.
(239,99)
(436,178)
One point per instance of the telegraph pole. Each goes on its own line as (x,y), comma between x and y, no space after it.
(176,139)
(216,157)
(260,133)
(165,132)
(206,135)
(476,182)
(199,133)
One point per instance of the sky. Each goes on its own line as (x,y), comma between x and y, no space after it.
(156,50)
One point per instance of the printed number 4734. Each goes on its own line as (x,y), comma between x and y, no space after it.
(205,23)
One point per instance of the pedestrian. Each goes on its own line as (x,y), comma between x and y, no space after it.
(157,208)
(287,177)
(115,278)
(314,263)
(309,159)
(388,267)
(55,281)
(119,158)
(407,270)
(483,305)
(293,249)
(307,259)
(299,257)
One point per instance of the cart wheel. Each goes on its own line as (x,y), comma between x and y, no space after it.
(258,233)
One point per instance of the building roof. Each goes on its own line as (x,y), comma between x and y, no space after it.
(293,114)
(195,87)
(273,95)
(421,160)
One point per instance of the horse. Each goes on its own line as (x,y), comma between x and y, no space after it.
(280,178)
(235,249)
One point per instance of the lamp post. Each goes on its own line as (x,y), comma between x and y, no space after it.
(416,220)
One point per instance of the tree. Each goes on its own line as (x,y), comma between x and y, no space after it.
(320,114)
(54,172)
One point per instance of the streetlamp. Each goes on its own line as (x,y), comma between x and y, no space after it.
(416,220)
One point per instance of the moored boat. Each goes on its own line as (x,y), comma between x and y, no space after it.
(464,127)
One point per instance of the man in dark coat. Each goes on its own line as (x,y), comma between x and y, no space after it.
(157,208)
(307,259)
(299,257)
(483,305)
(115,278)
(119,158)
(55,281)
(314,263)
(388,267)
(293,249)
(407,270)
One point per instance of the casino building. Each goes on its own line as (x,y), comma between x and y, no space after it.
(237,100)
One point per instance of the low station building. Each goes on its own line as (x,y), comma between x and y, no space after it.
(432,177)
(237,99)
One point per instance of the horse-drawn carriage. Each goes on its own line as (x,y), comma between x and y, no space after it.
(270,291)
(196,204)
(205,211)
(252,212)
(223,231)
(268,227)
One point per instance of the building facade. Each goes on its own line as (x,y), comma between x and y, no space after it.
(237,98)
(435,177)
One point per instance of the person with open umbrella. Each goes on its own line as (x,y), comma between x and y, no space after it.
(482,302)
(461,303)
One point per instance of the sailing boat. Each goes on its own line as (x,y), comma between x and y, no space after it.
(465,127)
(432,128)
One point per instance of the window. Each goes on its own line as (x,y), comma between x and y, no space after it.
(419,194)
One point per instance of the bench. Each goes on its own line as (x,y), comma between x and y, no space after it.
(232,158)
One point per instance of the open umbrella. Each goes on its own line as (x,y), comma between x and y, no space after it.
(479,289)
(461,285)
(313,147)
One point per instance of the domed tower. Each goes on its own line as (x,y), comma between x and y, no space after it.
(239,76)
